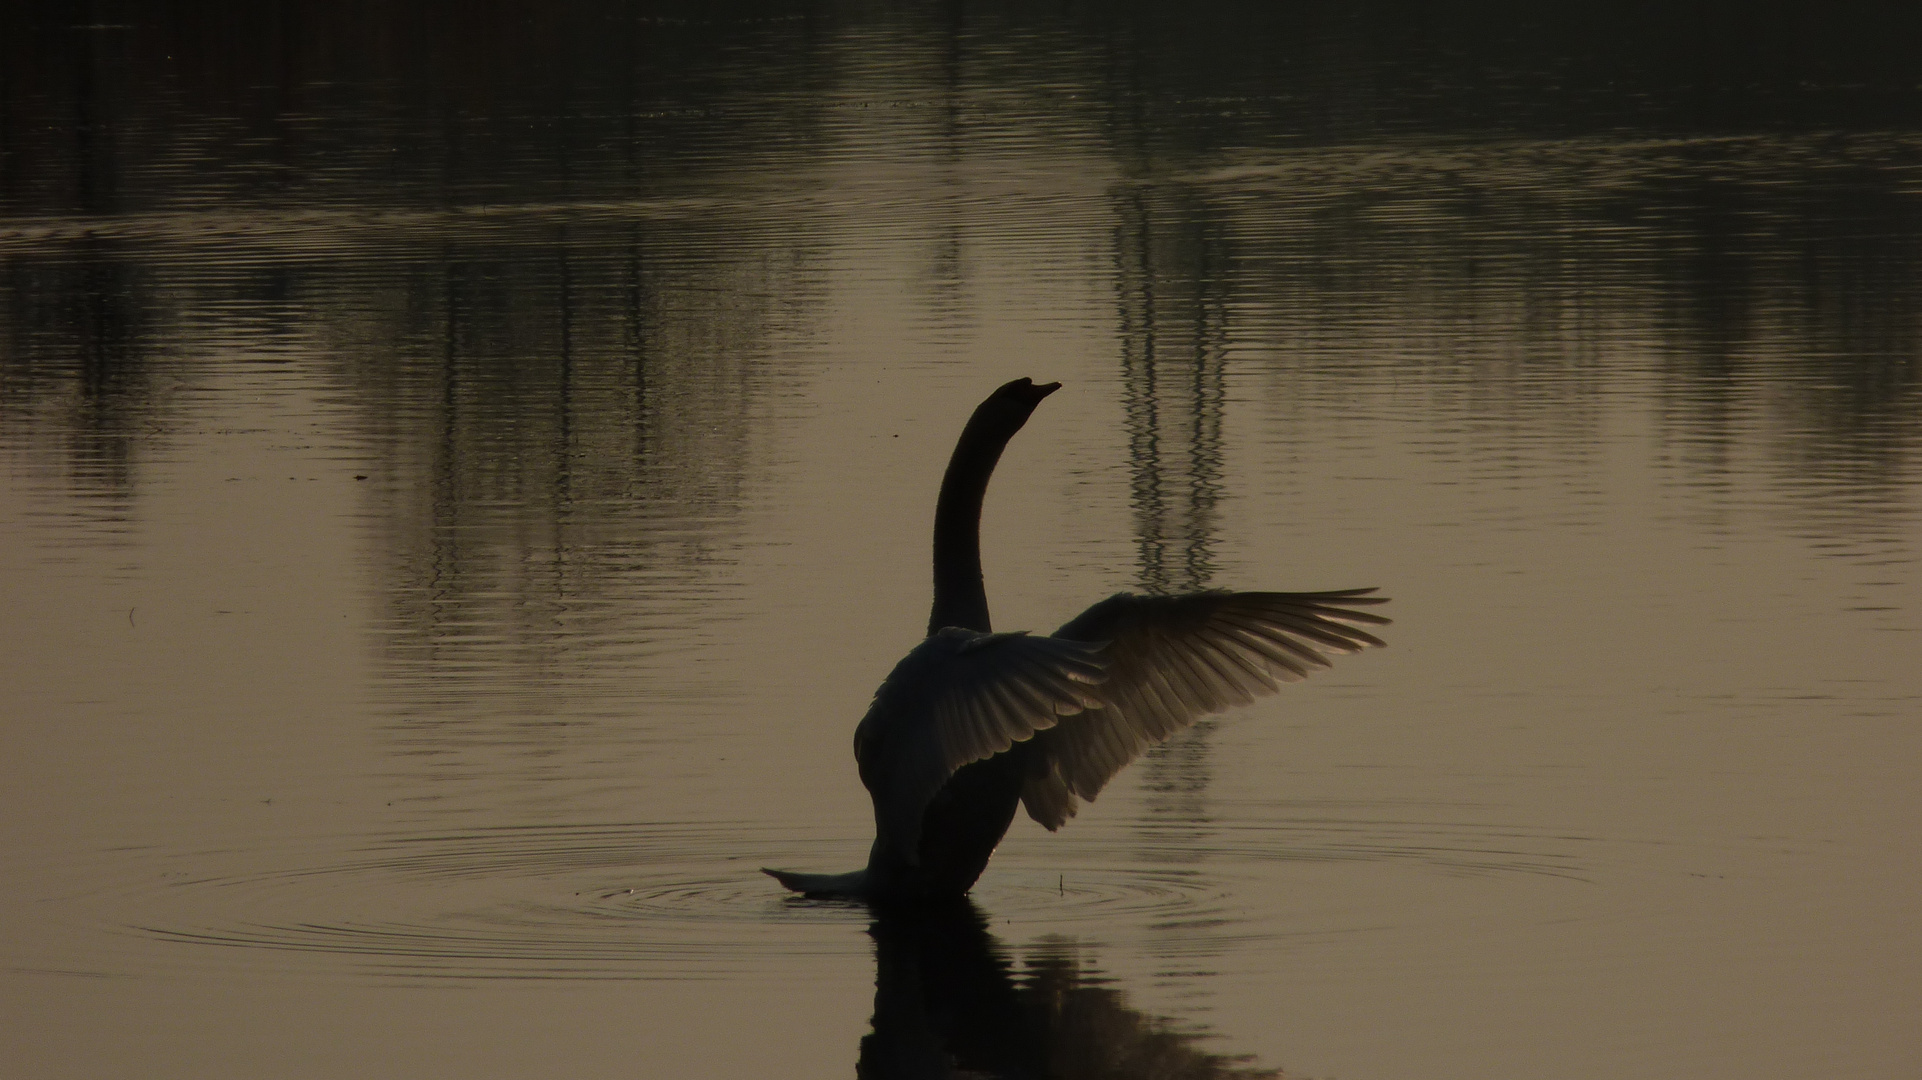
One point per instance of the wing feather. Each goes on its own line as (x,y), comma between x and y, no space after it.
(1174,659)
(959,697)
(1280,662)
(1227,648)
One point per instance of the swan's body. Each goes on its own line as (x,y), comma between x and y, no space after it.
(971,722)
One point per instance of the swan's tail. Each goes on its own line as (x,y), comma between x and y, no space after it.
(853,884)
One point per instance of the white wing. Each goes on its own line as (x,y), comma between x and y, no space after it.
(1174,659)
(960,697)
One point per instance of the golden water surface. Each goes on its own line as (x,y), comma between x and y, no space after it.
(462,475)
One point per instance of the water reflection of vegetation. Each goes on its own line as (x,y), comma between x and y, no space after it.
(1170,278)
(135,108)
(565,431)
(1173,280)
(92,405)
(949,1002)
(1503,198)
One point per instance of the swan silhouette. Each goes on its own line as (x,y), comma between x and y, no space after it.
(972,722)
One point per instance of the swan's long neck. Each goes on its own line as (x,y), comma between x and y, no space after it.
(960,597)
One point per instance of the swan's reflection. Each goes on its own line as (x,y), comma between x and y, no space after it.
(949,1002)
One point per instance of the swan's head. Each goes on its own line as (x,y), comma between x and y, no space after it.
(1010,406)
(1025,390)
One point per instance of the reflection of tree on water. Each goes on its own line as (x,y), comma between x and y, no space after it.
(1171,290)
(76,369)
(948,1001)
(1797,307)
(193,147)
(561,418)
(74,356)
(564,451)
(1171,313)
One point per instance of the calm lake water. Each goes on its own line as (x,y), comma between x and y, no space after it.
(463,473)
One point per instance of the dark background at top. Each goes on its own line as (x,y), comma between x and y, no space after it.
(451,103)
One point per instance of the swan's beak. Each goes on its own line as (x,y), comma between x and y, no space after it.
(1024,390)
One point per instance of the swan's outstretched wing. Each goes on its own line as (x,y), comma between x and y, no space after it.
(959,697)
(1174,659)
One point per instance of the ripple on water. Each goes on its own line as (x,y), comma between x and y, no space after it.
(675,901)
(686,901)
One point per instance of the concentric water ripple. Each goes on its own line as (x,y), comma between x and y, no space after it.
(686,900)
(567,901)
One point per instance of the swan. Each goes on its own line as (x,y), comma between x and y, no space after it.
(972,722)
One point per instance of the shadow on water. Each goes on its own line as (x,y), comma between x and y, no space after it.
(950,1001)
